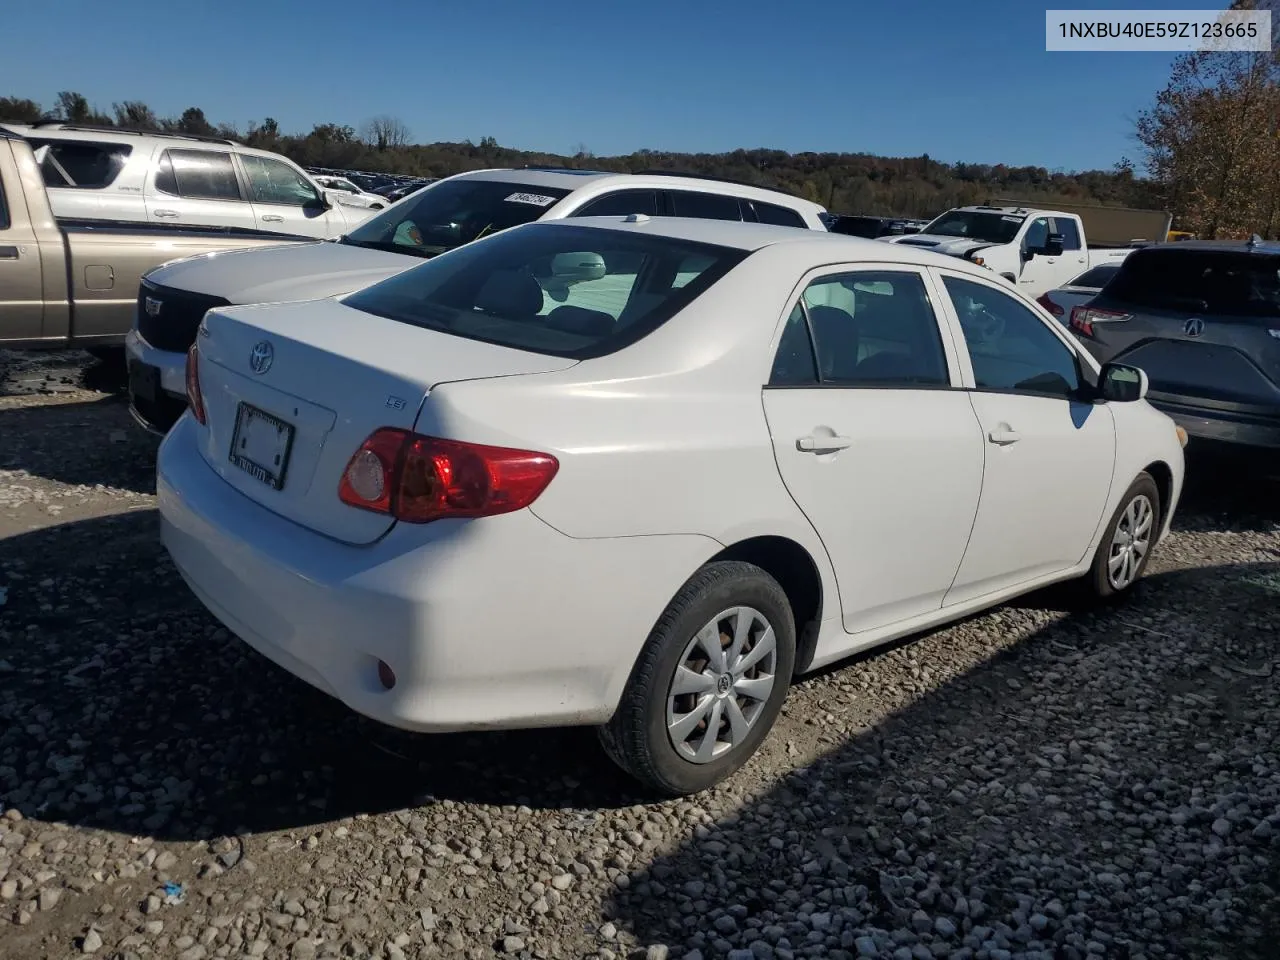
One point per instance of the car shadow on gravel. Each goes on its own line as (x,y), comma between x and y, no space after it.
(86,442)
(125,706)
(1110,780)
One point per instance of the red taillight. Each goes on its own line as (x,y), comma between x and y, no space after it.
(194,397)
(418,479)
(1049,305)
(1083,318)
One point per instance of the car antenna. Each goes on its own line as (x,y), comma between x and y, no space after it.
(1254,241)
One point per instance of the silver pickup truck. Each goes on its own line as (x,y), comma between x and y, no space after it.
(69,283)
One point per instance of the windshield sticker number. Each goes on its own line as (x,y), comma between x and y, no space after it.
(534,199)
(1012,219)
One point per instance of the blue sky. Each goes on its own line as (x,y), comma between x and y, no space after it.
(957,80)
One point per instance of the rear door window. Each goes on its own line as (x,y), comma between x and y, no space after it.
(704,206)
(1066,227)
(621,203)
(1213,282)
(566,291)
(198,175)
(83,166)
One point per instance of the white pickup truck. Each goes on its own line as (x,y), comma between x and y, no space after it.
(1038,250)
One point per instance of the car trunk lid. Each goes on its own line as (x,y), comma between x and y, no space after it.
(292,390)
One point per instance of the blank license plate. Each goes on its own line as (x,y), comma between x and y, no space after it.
(261,445)
(144,381)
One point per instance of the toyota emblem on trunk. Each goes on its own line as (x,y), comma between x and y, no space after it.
(262,356)
(1193,327)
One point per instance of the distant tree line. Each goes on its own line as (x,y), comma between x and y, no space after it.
(1211,142)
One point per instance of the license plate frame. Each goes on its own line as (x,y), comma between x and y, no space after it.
(279,451)
(144,381)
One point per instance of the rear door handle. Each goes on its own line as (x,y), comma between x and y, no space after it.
(272,218)
(9,253)
(812,444)
(1003,436)
(166,213)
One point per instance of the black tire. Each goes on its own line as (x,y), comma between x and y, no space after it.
(636,737)
(1098,582)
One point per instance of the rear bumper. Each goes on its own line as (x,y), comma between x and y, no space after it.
(1223,426)
(488,624)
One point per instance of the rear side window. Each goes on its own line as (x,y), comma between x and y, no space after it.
(1214,282)
(84,166)
(561,290)
(621,204)
(4,209)
(198,175)
(704,206)
(780,216)
(1069,231)
(875,328)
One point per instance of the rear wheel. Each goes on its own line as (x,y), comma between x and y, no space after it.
(708,684)
(1126,544)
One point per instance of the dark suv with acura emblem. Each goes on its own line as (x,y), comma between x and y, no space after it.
(1202,318)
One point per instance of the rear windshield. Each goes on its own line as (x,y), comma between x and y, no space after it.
(1097,277)
(568,291)
(1223,283)
(453,212)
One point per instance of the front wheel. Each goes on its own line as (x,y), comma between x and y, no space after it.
(708,684)
(1125,547)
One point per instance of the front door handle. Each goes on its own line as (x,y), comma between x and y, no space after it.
(9,253)
(812,444)
(272,218)
(1004,435)
(166,213)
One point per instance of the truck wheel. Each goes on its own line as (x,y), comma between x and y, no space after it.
(708,684)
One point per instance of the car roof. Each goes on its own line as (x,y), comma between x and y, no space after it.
(566,179)
(756,236)
(91,134)
(1257,245)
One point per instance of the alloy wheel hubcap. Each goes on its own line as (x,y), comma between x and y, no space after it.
(1130,542)
(721,684)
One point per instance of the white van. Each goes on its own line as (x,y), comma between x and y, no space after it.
(102,173)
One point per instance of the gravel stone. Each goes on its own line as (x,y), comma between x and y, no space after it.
(1039,781)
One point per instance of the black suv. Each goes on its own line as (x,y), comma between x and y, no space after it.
(1202,318)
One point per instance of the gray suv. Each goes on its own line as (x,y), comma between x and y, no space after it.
(1202,318)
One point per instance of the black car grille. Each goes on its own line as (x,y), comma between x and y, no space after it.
(174,325)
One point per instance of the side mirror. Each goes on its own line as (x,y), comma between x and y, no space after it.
(1052,246)
(577,267)
(1121,383)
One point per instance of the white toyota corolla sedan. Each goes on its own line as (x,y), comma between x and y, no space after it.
(640,473)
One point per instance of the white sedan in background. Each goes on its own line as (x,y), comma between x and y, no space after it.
(344,191)
(640,473)
(1078,290)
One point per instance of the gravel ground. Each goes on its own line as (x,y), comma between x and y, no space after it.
(1037,782)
